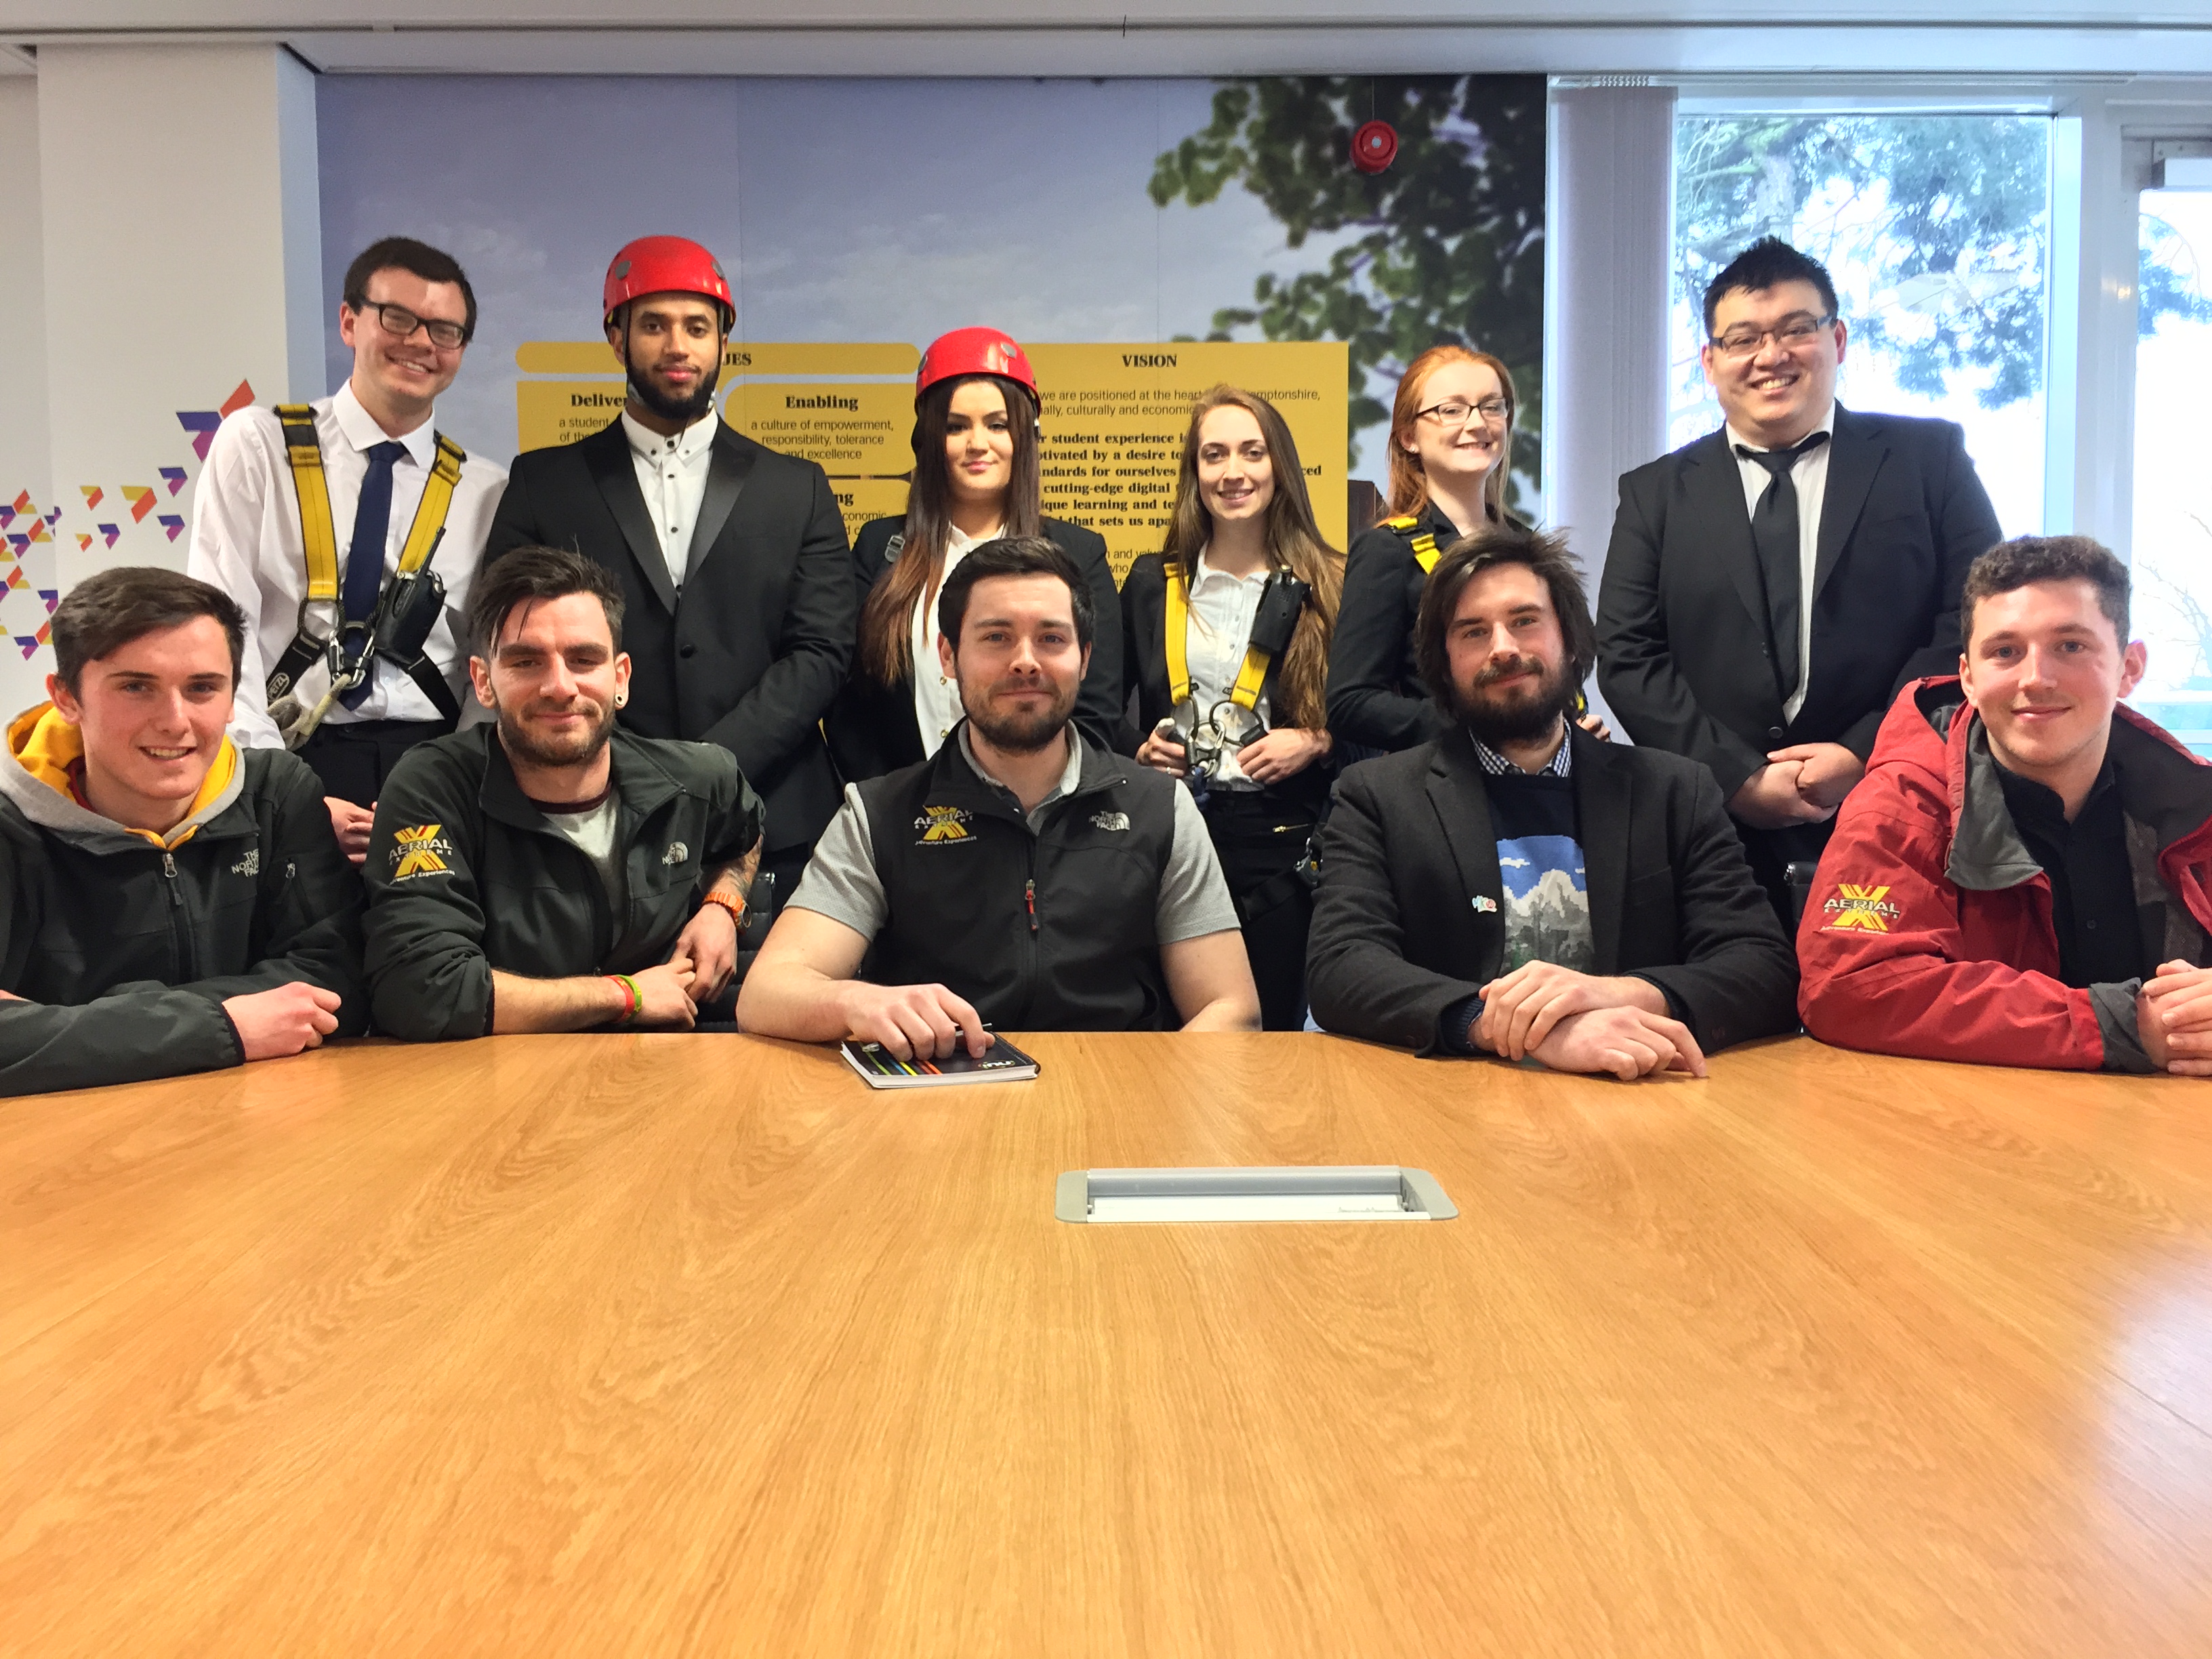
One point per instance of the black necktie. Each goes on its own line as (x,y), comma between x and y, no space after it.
(364,571)
(1774,533)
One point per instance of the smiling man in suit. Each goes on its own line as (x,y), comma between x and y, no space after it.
(1518,887)
(1770,586)
(732,560)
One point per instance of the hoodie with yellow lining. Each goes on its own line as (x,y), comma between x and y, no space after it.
(122,944)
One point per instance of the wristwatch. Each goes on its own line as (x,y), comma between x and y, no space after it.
(736,907)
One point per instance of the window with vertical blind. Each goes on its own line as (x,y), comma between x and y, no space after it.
(2173,563)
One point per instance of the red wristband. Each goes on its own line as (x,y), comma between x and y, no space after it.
(630,1000)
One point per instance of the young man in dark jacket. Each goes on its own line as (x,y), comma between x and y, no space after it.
(1517,887)
(1019,877)
(552,873)
(168,904)
(2025,876)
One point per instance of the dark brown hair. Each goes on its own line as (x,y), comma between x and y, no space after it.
(1409,484)
(2026,559)
(1015,556)
(886,652)
(537,572)
(1294,543)
(1467,558)
(108,609)
(417,259)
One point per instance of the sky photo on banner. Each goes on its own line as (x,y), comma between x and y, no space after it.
(1069,211)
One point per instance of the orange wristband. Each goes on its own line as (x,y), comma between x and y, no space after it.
(736,907)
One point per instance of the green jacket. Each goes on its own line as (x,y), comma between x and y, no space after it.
(465,875)
(125,950)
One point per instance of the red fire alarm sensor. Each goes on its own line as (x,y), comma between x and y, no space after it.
(1373,147)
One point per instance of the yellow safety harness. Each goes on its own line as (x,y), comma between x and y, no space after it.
(1426,551)
(1245,694)
(319,539)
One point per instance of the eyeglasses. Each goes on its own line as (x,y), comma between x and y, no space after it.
(1454,411)
(400,324)
(1789,333)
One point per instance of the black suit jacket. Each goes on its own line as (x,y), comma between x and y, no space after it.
(750,652)
(1398,937)
(872,729)
(1684,656)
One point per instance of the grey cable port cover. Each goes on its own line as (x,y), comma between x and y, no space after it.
(1357,1192)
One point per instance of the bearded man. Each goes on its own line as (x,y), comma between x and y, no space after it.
(551,872)
(1017,878)
(1518,887)
(731,557)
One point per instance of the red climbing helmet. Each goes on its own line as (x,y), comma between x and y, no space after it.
(974,351)
(666,264)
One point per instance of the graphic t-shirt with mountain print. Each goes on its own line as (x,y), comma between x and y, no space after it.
(1540,854)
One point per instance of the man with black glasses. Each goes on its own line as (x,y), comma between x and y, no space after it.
(1771,585)
(335,524)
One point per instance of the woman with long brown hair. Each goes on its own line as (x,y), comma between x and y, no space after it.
(1451,448)
(975,479)
(1226,637)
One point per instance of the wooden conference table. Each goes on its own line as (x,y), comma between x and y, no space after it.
(660,1345)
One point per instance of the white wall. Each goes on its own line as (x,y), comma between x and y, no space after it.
(24,459)
(177,206)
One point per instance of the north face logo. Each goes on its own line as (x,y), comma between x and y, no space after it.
(248,865)
(677,853)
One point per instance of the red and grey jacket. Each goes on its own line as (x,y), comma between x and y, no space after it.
(1928,932)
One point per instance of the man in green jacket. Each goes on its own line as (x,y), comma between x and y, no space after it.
(168,904)
(552,873)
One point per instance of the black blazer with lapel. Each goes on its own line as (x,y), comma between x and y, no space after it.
(750,653)
(1683,653)
(872,729)
(1398,936)
(1145,664)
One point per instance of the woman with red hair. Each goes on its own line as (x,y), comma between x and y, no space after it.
(1451,444)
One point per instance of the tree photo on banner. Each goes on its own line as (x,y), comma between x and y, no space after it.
(1446,244)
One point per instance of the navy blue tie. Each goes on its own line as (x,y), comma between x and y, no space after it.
(364,571)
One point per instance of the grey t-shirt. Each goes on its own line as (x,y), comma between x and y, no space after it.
(841,881)
(591,832)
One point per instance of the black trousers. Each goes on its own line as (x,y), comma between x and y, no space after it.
(353,760)
(1258,840)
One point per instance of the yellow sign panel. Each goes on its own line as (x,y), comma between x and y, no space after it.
(862,499)
(549,412)
(1115,417)
(851,428)
(560,411)
(738,357)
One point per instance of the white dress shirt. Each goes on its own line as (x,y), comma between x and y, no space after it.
(937,708)
(672,473)
(1809,472)
(1222,607)
(246,540)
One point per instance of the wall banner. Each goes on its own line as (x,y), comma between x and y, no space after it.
(1115,417)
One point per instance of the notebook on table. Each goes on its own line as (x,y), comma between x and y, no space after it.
(1001,1063)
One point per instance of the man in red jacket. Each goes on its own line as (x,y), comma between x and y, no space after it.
(2024,875)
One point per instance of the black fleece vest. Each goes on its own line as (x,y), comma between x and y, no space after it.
(1045,931)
